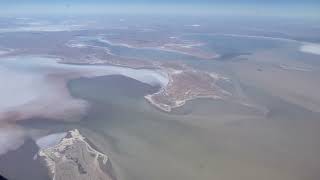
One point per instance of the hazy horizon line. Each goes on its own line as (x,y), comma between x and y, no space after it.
(168,9)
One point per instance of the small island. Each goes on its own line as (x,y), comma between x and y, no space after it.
(74,158)
(185,84)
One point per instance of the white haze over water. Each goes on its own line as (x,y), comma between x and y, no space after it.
(40,65)
(34,25)
(30,85)
(17,88)
(311,48)
(11,138)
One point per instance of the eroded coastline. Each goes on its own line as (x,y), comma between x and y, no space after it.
(184,83)
(74,158)
(203,139)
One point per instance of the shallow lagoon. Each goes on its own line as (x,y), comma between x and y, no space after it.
(31,79)
(204,140)
(207,140)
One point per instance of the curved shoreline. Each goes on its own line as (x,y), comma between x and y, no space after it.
(186,84)
(51,98)
(172,78)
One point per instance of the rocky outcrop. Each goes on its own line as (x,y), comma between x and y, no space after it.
(75,158)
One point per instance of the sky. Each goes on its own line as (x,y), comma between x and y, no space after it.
(303,8)
(168,1)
